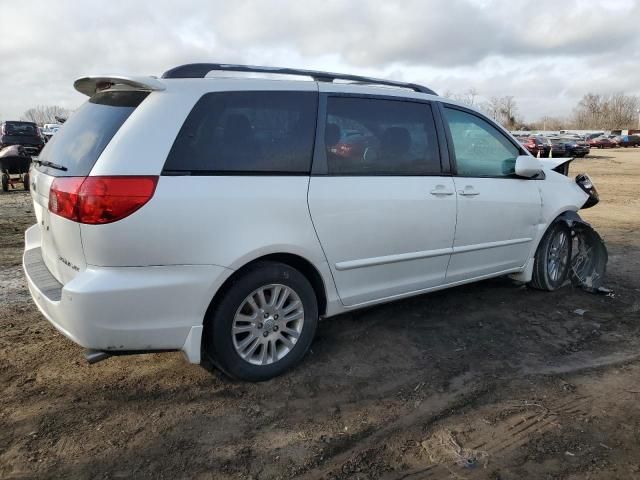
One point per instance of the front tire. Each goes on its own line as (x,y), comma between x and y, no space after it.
(264,323)
(553,258)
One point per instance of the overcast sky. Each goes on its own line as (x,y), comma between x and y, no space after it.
(545,53)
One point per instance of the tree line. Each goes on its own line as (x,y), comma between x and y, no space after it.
(592,112)
(42,114)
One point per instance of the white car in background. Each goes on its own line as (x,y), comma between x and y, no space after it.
(224,216)
(49,129)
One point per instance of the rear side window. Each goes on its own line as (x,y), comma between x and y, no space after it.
(82,138)
(245,133)
(367,136)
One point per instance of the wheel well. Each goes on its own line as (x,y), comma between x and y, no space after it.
(303,266)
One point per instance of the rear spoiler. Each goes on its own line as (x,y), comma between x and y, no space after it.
(90,85)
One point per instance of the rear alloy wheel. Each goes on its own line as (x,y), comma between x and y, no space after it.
(268,324)
(263,324)
(553,258)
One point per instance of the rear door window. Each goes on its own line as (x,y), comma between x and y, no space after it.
(82,138)
(369,136)
(269,132)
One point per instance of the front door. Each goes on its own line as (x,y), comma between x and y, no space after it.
(498,213)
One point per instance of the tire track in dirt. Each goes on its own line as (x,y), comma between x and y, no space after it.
(498,441)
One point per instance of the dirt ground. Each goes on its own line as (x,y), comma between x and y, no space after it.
(487,381)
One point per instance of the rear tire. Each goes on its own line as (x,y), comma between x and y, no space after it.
(5,182)
(25,181)
(252,334)
(553,258)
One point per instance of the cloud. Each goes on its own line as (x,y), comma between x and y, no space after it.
(545,53)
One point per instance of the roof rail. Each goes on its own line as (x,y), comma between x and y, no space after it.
(200,70)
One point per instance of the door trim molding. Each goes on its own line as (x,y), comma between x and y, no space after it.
(400,257)
(487,245)
(405,257)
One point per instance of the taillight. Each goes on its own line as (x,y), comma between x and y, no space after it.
(99,200)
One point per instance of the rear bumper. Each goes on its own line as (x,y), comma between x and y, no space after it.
(125,308)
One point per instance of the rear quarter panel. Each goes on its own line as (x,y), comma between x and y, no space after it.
(222,220)
(215,220)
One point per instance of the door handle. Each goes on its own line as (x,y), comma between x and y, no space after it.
(441,190)
(468,192)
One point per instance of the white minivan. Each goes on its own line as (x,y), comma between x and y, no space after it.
(223,216)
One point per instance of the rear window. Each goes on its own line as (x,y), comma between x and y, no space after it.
(82,138)
(20,128)
(246,133)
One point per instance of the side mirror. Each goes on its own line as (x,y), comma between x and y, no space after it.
(528,166)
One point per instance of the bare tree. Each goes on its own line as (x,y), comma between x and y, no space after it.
(616,111)
(468,98)
(503,110)
(508,112)
(493,107)
(471,96)
(42,114)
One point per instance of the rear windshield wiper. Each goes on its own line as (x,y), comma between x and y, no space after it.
(47,163)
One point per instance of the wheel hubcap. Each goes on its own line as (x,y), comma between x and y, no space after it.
(268,324)
(558,255)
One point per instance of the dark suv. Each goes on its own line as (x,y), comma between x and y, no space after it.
(630,141)
(25,134)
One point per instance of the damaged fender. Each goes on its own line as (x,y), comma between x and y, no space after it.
(589,254)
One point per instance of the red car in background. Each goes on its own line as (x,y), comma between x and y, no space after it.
(535,145)
(353,144)
(601,142)
(615,139)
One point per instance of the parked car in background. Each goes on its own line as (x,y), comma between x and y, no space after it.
(629,141)
(14,167)
(547,146)
(589,136)
(574,147)
(49,129)
(25,134)
(615,140)
(530,144)
(558,147)
(600,142)
(353,144)
(535,145)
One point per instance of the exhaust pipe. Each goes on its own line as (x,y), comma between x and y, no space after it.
(95,356)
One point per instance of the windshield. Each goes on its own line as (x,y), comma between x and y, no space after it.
(80,141)
(20,128)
